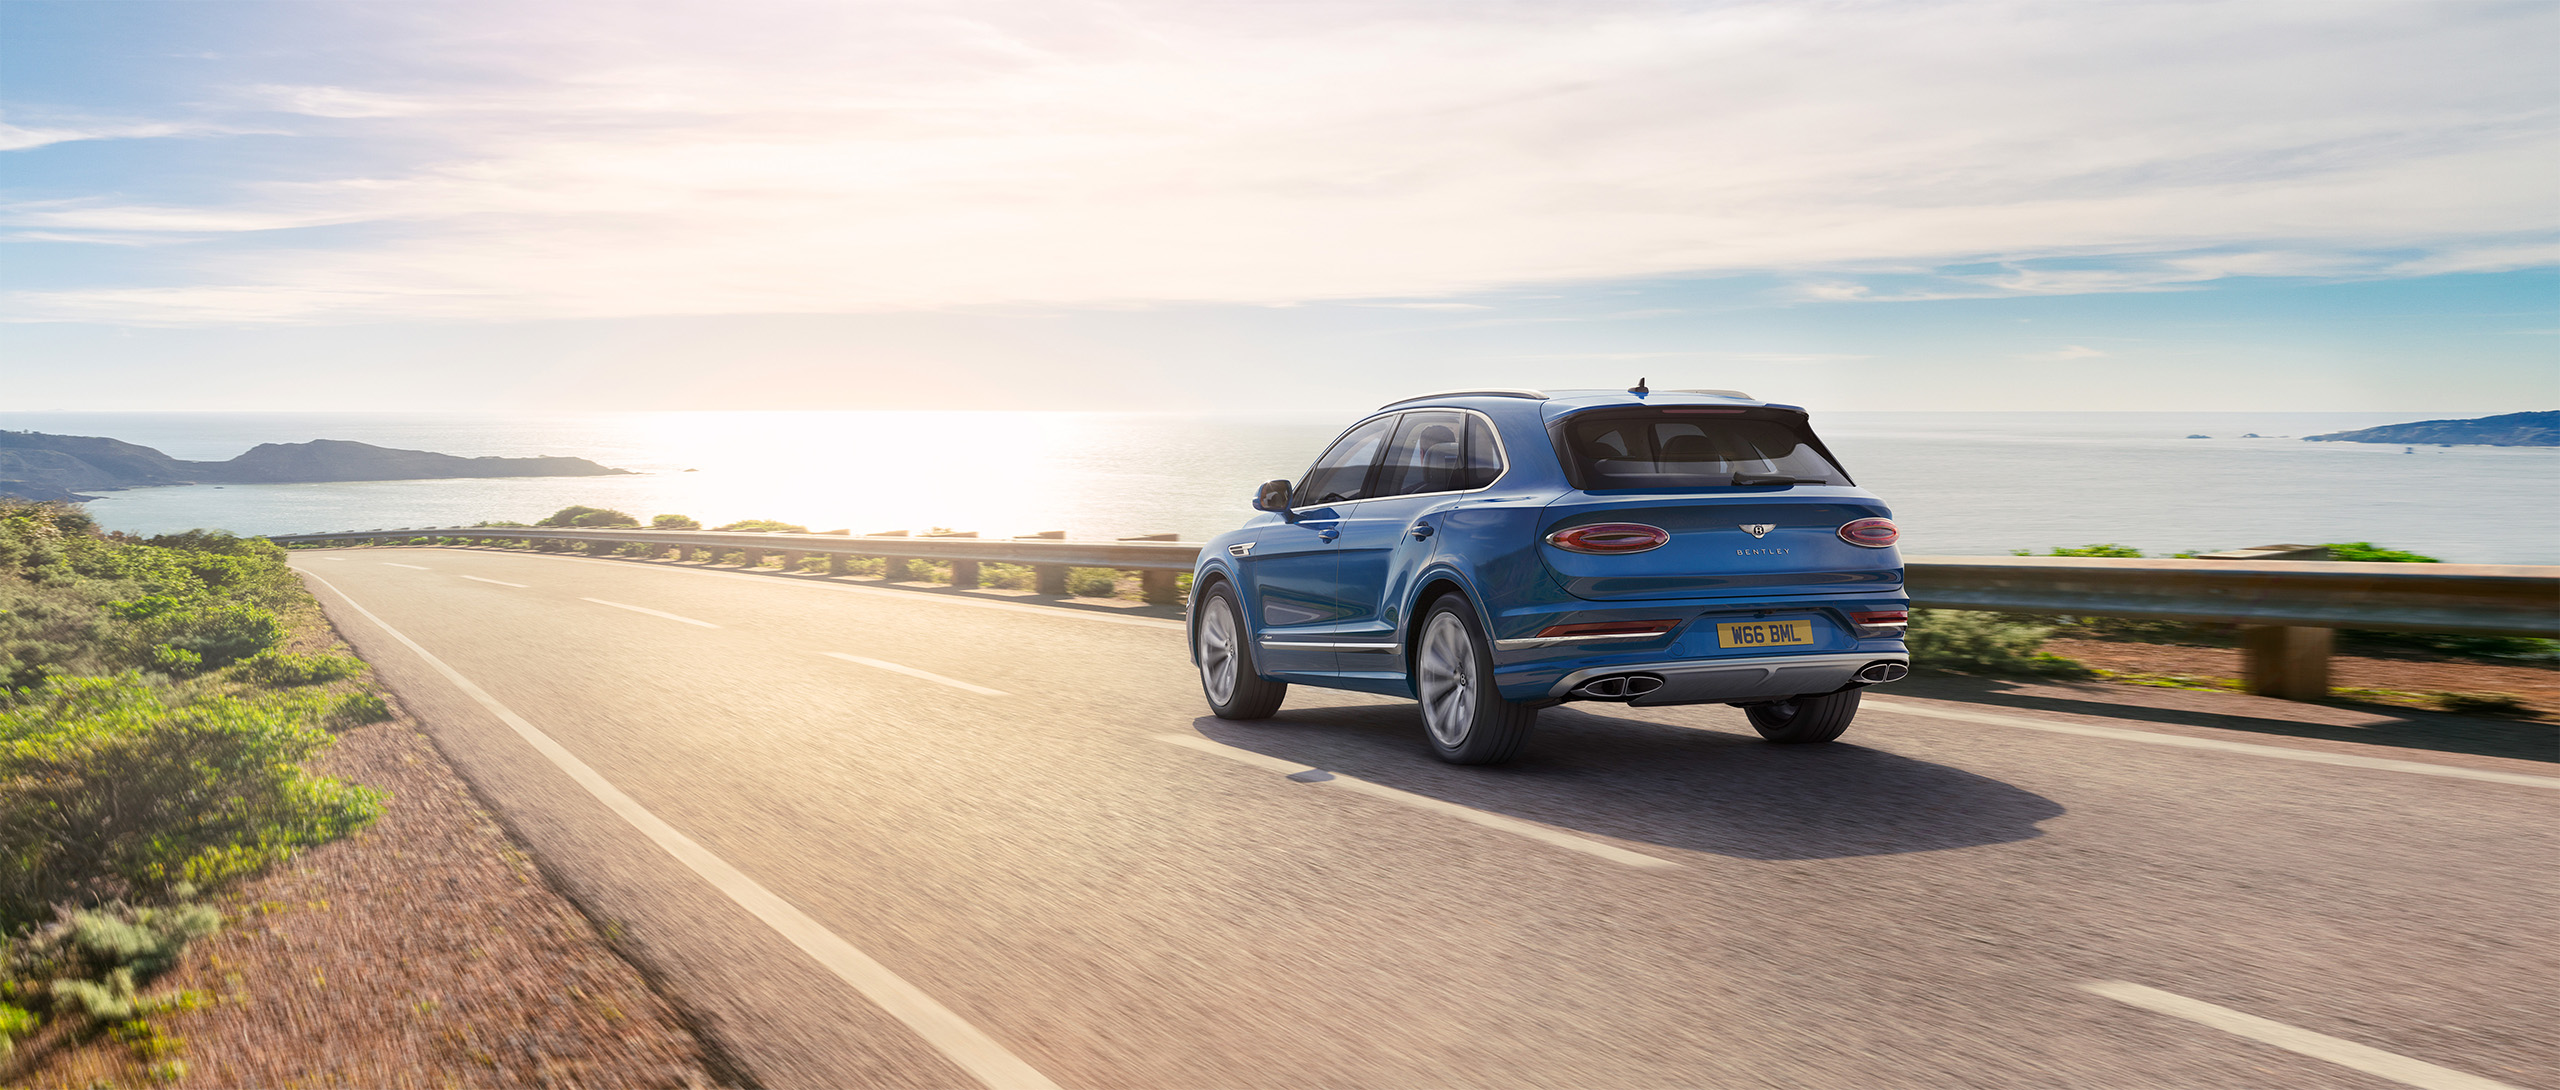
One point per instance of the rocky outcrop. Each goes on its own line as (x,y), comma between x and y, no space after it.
(37,466)
(2540,429)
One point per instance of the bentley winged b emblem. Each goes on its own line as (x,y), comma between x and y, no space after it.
(1758,529)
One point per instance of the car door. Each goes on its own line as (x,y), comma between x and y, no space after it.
(1386,539)
(1293,570)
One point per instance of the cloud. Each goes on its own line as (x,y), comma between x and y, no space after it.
(845,158)
(17,138)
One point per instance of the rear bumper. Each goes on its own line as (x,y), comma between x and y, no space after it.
(1718,681)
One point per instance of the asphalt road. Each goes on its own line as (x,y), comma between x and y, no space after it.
(879,837)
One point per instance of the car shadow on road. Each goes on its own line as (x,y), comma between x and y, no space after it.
(2388,725)
(1680,787)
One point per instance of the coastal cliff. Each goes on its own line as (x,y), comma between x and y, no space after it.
(37,466)
(2540,429)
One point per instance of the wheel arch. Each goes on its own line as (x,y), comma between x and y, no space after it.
(1437,584)
(1209,577)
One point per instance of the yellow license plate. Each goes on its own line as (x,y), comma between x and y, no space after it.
(1764,634)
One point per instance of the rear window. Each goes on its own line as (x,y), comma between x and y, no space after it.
(1691,448)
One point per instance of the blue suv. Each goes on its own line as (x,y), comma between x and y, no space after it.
(1493,552)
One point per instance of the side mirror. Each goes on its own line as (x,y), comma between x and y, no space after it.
(1272,496)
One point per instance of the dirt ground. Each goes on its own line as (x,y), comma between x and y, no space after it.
(2406,681)
(424,952)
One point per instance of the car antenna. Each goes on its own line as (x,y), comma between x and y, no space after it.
(1638,389)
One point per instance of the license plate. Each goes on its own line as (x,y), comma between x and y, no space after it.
(1764,634)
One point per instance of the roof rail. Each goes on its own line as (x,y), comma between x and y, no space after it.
(1533,395)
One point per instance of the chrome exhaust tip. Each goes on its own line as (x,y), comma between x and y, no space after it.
(1617,687)
(1877,672)
(1640,684)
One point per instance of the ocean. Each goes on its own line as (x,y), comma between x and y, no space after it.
(1959,483)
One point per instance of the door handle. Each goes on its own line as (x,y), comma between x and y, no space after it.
(1328,534)
(1419,530)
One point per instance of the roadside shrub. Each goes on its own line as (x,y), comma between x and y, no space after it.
(1967,642)
(109,790)
(95,962)
(46,631)
(769,526)
(865,565)
(15,1022)
(2481,703)
(578,515)
(674,522)
(282,668)
(2100,549)
(2370,553)
(358,709)
(219,633)
(1008,577)
(1092,582)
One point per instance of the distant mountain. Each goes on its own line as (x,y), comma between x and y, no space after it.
(34,465)
(2510,430)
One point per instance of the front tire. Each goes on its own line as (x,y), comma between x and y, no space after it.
(1465,716)
(1224,648)
(1800,719)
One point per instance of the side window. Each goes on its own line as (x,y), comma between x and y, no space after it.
(1429,455)
(1343,473)
(1484,455)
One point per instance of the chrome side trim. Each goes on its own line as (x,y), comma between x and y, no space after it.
(1527,642)
(1355,648)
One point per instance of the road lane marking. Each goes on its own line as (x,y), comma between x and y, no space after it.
(2318,1046)
(947,1032)
(2312,756)
(649,611)
(1516,827)
(339,559)
(411,567)
(911,671)
(500,582)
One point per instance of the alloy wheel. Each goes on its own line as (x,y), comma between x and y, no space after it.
(1447,679)
(1218,652)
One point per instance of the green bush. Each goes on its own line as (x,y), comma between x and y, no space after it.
(866,565)
(1008,576)
(2101,549)
(674,522)
(15,1022)
(765,526)
(358,709)
(282,668)
(109,788)
(94,962)
(219,633)
(577,515)
(1092,582)
(2368,552)
(1967,642)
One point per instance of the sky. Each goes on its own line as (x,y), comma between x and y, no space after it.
(1304,205)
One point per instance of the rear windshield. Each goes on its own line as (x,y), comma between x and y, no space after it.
(1692,448)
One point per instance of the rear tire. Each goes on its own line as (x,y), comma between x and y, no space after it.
(1463,713)
(1224,648)
(1800,719)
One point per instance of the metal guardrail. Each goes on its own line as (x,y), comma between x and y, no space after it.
(2512,600)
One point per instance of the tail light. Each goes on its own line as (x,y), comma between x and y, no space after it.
(1881,622)
(1610,537)
(1872,533)
(1606,630)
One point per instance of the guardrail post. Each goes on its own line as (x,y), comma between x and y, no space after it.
(836,565)
(964,573)
(1158,587)
(792,559)
(893,569)
(2288,662)
(754,558)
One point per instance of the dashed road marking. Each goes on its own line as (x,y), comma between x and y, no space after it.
(649,611)
(911,671)
(500,582)
(2311,756)
(411,567)
(2318,1046)
(1514,826)
(964,1044)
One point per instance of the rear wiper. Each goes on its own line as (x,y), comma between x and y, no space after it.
(1759,478)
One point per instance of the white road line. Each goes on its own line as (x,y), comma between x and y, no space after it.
(411,567)
(2312,756)
(649,611)
(911,671)
(1514,826)
(500,582)
(339,559)
(2318,1046)
(947,1032)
